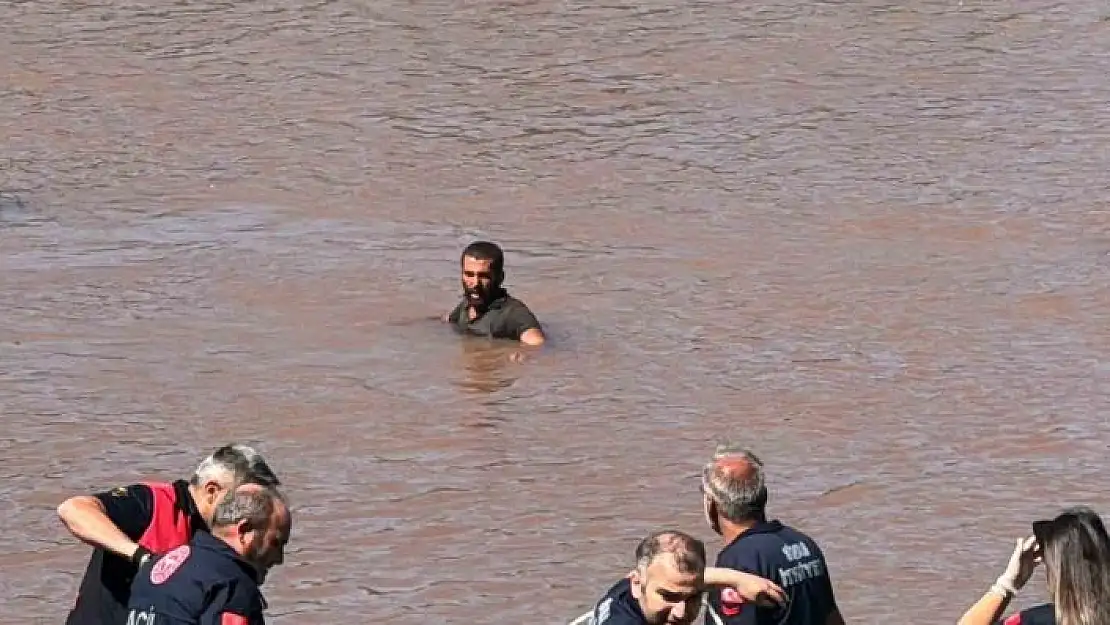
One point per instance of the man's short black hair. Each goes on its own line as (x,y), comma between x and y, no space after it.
(486,250)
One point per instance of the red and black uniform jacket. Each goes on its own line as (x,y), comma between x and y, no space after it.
(159,516)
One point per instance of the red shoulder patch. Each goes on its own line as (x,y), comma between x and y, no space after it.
(168,564)
(731,602)
(1015,619)
(231,618)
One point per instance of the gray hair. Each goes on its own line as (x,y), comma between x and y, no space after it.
(240,463)
(734,480)
(255,505)
(688,552)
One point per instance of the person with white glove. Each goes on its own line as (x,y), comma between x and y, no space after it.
(1022,563)
(1075,550)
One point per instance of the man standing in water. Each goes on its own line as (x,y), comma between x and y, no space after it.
(486,308)
(129,525)
(735,502)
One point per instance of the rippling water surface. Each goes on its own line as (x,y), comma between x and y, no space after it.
(869,238)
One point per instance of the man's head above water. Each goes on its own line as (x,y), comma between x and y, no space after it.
(255,521)
(483,272)
(668,580)
(487,309)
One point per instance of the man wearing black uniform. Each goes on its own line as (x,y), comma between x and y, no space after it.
(215,579)
(126,526)
(667,586)
(486,308)
(735,502)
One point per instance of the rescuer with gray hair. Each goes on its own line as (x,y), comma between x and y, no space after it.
(734,499)
(128,525)
(215,579)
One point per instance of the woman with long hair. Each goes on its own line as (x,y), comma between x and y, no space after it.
(1075,550)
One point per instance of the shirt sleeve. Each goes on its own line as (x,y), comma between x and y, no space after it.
(826,580)
(229,605)
(453,316)
(130,508)
(519,320)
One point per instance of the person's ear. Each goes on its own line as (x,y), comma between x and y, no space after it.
(637,582)
(212,491)
(712,513)
(244,532)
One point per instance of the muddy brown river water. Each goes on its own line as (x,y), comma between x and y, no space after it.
(869,238)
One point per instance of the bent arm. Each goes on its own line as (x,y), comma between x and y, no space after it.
(452,316)
(720,576)
(751,587)
(524,326)
(86,518)
(987,610)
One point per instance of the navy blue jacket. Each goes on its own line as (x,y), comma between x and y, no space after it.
(202,583)
(618,607)
(787,557)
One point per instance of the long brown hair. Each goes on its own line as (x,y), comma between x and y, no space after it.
(1076,552)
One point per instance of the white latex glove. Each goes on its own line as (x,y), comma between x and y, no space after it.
(1023,562)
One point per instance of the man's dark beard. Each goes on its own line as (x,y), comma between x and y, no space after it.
(479,298)
(252,556)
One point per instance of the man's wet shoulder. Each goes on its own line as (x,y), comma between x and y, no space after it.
(509,302)
(512,307)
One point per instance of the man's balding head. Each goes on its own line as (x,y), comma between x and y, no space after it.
(733,481)
(668,578)
(256,522)
(687,552)
(256,505)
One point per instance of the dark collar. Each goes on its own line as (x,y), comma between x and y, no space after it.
(622,591)
(762,527)
(186,506)
(499,300)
